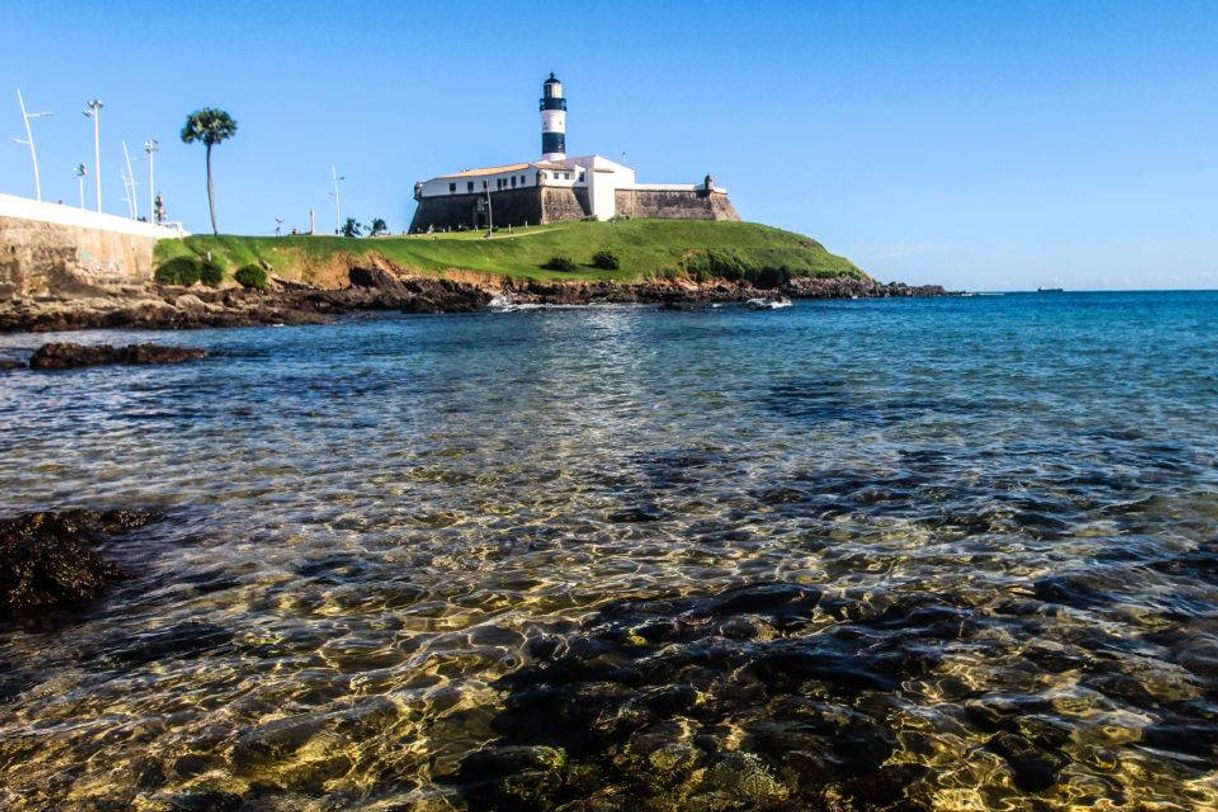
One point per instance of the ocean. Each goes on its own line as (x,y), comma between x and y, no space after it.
(955,553)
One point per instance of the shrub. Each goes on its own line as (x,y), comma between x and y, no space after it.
(606,261)
(251,276)
(563,264)
(178,271)
(211,274)
(731,265)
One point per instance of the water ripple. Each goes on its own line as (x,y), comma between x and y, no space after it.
(955,554)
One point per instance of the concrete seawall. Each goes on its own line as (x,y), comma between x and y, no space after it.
(48,248)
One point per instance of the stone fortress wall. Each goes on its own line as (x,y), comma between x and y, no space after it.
(674,204)
(552,204)
(515,207)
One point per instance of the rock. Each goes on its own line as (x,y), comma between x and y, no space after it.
(47,559)
(1034,768)
(189,301)
(742,698)
(494,762)
(208,800)
(275,741)
(376,279)
(64,355)
(179,641)
(373,289)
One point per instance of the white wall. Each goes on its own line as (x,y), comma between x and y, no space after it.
(602,186)
(58,213)
(439,187)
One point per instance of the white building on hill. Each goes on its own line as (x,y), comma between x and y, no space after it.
(556,187)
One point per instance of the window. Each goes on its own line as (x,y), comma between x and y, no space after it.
(513,181)
(483,184)
(469,187)
(452,187)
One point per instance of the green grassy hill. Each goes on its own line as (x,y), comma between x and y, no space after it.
(646,249)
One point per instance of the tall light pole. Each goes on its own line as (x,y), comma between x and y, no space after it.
(79,171)
(338,201)
(94,112)
(150,146)
(29,140)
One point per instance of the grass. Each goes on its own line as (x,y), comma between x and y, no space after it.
(647,249)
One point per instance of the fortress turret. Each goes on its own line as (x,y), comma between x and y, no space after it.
(553,121)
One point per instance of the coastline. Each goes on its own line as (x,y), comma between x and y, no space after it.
(167,307)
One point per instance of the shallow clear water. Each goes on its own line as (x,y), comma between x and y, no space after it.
(990,527)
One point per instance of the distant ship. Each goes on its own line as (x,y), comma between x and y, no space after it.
(1050,290)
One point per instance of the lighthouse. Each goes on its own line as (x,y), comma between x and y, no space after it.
(553,121)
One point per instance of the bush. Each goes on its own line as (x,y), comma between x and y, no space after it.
(731,265)
(251,276)
(563,264)
(211,275)
(179,271)
(606,261)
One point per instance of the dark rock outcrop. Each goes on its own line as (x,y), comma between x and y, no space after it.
(48,559)
(65,355)
(378,289)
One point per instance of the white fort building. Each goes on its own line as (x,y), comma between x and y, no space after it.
(557,187)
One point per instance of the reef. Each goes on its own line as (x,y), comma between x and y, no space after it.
(65,355)
(770,696)
(50,560)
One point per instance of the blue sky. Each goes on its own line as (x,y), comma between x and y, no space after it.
(988,145)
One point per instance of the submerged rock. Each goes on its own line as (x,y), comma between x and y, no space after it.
(48,559)
(65,355)
(754,697)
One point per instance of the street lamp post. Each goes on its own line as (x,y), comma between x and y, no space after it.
(79,171)
(490,213)
(29,141)
(150,146)
(338,204)
(94,112)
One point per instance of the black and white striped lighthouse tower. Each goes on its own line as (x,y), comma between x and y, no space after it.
(553,121)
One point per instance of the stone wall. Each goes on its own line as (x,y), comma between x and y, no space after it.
(552,204)
(563,203)
(515,207)
(39,258)
(675,204)
(512,207)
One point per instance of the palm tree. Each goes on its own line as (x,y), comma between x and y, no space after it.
(211,126)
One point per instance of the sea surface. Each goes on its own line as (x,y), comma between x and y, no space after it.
(902,555)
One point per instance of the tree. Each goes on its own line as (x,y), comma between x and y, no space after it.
(211,126)
(378,227)
(352,228)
